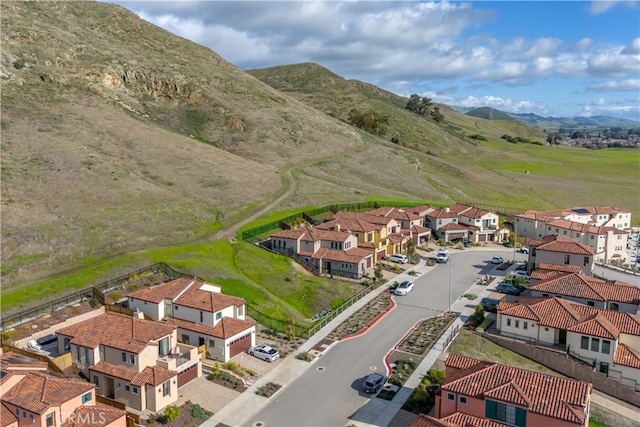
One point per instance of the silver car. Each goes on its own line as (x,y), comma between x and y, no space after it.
(264,352)
(403,288)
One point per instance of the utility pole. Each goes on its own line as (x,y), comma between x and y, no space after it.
(450,262)
(515,240)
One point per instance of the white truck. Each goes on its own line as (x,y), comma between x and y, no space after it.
(442,256)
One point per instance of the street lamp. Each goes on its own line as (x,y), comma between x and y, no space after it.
(450,262)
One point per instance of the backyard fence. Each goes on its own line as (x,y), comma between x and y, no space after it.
(24,316)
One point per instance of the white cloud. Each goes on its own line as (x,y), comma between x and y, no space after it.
(614,85)
(598,7)
(633,48)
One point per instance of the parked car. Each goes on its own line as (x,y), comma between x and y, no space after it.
(519,273)
(507,288)
(490,304)
(399,258)
(264,352)
(497,260)
(374,382)
(524,250)
(466,242)
(403,288)
(521,267)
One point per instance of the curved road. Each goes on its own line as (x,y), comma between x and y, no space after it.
(330,393)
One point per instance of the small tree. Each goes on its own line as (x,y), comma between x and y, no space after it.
(378,271)
(172,413)
(479,314)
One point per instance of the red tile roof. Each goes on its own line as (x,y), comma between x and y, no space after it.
(459,419)
(6,416)
(373,219)
(563,314)
(38,391)
(555,243)
(354,225)
(427,421)
(118,331)
(558,267)
(153,375)
(421,210)
(441,213)
(86,416)
(395,213)
(352,256)
(544,274)
(598,326)
(225,328)
(189,293)
(454,226)
(543,394)
(627,356)
(587,287)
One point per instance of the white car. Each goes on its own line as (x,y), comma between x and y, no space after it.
(403,288)
(264,352)
(519,273)
(497,260)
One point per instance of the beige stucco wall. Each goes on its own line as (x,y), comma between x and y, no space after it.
(155,401)
(154,311)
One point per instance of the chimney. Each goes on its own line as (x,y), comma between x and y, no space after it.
(337,227)
(138,314)
(446,209)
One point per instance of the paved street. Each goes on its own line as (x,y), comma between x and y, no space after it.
(330,393)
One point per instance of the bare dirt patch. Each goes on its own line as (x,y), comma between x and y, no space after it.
(362,318)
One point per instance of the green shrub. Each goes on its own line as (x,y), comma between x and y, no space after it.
(486,324)
(94,303)
(172,412)
(199,413)
(479,314)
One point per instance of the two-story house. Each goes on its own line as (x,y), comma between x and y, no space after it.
(605,229)
(513,396)
(560,250)
(444,225)
(607,339)
(411,223)
(30,396)
(326,251)
(202,314)
(587,290)
(482,225)
(131,360)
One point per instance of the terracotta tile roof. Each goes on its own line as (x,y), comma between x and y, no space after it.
(153,375)
(441,213)
(86,416)
(326,235)
(294,233)
(565,245)
(543,394)
(38,391)
(475,213)
(458,208)
(598,326)
(627,356)
(600,210)
(352,256)
(11,361)
(563,314)
(225,328)
(581,286)
(543,275)
(396,213)
(418,229)
(544,215)
(6,416)
(397,238)
(459,419)
(373,219)
(558,267)
(354,225)
(427,421)
(168,290)
(454,226)
(421,210)
(117,331)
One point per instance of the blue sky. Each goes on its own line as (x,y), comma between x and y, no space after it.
(550,58)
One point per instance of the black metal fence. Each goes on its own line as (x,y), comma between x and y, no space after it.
(86,294)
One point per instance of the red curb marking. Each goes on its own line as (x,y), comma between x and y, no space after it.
(376,320)
(395,347)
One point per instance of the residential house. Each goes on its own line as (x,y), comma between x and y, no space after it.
(324,251)
(482,225)
(202,314)
(370,237)
(410,223)
(439,219)
(29,396)
(509,395)
(605,229)
(545,271)
(457,419)
(131,360)
(391,226)
(560,250)
(607,339)
(583,289)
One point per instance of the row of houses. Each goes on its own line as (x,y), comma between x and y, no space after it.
(142,360)
(352,242)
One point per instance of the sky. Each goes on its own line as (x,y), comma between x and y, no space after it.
(551,58)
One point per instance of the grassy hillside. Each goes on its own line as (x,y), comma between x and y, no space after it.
(489,114)
(122,143)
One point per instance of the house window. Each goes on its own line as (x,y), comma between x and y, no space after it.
(49,419)
(31,417)
(132,359)
(517,323)
(201,317)
(219,315)
(606,346)
(175,307)
(524,325)
(67,344)
(127,388)
(567,258)
(586,261)
(163,348)
(508,322)
(185,338)
(584,343)
(451,396)
(595,344)
(124,357)
(463,400)
(506,413)
(590,303)
(166,388)
(135,390)
(17,412)
(592,237)
(212,343)
(96,381)
(88,397)
(24,414)
(241,310)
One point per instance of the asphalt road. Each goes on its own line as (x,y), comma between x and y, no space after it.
(330,393)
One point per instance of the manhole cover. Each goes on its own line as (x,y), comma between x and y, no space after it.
(258,424)
(320,368)
(373,368)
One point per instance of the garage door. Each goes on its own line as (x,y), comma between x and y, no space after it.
(187,375)
(482,237)
(239,345)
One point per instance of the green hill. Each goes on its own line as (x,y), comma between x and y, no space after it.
(489,113)
(120,139)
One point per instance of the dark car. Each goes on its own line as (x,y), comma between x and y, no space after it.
(374,382)
(466,242)
(507,288)
(490,304)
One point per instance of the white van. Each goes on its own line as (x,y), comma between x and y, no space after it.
(399,258)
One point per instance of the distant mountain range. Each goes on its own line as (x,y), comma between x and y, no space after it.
(550,122)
